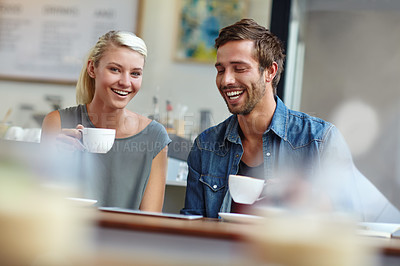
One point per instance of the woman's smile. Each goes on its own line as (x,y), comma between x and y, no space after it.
(121,92)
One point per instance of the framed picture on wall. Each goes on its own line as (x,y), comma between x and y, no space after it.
(47,40)
(199,24)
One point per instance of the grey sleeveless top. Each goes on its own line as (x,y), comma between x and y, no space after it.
(119,177)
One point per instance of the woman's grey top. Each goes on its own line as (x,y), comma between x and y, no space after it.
(119,177)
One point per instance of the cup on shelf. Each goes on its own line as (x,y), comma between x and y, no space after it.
(14,133)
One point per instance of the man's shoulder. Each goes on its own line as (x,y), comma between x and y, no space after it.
(300,123)
(215,134)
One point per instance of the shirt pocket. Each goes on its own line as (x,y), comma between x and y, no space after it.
(214,183)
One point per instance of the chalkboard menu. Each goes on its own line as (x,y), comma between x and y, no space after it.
(47,40)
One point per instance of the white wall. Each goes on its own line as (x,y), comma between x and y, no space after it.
(13,94)
(187,84)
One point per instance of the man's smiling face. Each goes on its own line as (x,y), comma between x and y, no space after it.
(238,76)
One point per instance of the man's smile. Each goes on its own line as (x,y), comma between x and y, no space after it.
(233,95)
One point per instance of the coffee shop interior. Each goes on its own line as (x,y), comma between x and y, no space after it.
(342,65)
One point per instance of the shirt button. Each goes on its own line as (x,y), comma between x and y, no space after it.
(215,186)
(268,154)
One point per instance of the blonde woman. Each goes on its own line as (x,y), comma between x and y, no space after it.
(133,173)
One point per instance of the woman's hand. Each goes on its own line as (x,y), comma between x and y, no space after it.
(70,139)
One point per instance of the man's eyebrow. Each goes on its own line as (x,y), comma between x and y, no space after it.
(238,63)
(233,63)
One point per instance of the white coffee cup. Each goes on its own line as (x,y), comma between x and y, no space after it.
(98,140)
(245,189)
(14,133)
(32,135)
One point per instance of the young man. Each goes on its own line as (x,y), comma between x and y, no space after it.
(305,155)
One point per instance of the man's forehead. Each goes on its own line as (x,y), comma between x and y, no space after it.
(236,52)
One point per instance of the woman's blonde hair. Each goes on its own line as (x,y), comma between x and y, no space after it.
(85,86)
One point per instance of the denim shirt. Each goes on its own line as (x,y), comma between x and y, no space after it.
(292,139)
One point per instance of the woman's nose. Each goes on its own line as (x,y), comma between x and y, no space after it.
(125,79)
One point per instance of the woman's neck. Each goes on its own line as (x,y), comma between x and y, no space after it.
(106,117)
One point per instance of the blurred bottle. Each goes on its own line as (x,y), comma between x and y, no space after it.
(156,110)
(169,124)
(205,119)
(25,116)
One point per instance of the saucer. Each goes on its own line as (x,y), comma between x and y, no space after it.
(239,217)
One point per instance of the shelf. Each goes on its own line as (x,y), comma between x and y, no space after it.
(176,183)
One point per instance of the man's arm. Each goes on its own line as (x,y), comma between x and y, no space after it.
(349,190)
(194,200)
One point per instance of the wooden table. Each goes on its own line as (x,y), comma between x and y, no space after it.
(203,227)
(132,239)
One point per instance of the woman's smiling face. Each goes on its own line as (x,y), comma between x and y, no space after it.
(118,76)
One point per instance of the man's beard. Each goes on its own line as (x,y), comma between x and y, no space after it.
(254,96)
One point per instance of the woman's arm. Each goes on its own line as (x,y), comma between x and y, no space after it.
(51,127)
(53,133)
(153,198)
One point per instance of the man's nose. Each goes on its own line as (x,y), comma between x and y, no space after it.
(228,78)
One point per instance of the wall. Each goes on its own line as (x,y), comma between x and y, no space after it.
(351,78)
(184,84)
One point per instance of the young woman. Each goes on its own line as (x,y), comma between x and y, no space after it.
(133,173)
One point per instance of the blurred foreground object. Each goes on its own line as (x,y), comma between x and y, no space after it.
(38,226)
(310,239)
(4,125)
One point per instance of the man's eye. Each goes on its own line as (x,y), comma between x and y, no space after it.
(240,69)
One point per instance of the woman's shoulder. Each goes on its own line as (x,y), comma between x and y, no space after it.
(138,125)
(156,129)
(73,109)
(137,122)
(51,121)
(143,120)
(152,127)
(73,115)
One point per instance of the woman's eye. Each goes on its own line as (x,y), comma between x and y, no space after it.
(114,69)
(136,74)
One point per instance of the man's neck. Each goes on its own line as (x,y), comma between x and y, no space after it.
(254,125)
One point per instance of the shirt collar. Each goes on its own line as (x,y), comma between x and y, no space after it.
(232,132)
(278,123)
(280,119)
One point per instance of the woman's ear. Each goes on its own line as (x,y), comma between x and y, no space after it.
(90,69)
(269,73)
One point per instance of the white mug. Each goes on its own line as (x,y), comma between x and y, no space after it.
(245,189)
(32,135)
(98,140)
(14,133)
